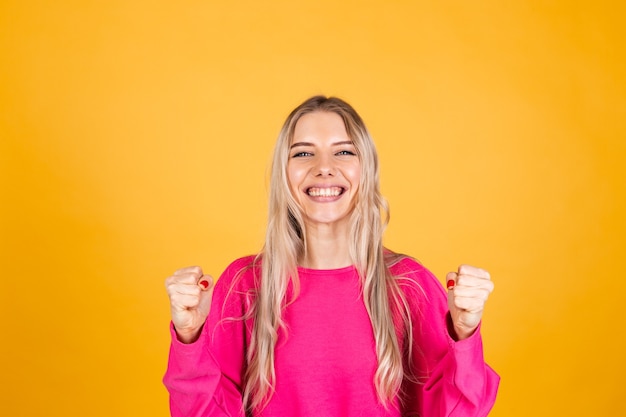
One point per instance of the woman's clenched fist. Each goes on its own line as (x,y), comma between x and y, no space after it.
(468,291)
(190,293)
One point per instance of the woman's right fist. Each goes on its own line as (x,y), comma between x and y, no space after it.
(190,293)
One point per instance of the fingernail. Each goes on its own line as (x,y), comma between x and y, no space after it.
(450,284)
(204,283)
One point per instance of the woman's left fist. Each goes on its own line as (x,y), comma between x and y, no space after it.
(468,291)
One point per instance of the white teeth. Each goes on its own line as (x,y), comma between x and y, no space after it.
(324,192)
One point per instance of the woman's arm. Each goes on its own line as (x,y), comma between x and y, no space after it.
(460,384)
(196,384)
(204,378)
(450,377)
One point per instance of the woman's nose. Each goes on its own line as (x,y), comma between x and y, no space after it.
(324,167)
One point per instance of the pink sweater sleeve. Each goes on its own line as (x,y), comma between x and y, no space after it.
(461,384)
(195,382)
(204,378)
(453,379)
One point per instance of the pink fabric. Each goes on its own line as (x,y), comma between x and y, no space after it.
(326,362)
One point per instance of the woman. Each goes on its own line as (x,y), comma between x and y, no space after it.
(325,321)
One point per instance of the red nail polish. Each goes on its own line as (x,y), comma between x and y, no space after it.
(204,283)
(450,284)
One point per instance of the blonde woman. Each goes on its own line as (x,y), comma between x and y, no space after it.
(325,321)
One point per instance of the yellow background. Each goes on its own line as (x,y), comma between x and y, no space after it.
(136,138)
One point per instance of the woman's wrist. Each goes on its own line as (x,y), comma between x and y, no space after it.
(188,336)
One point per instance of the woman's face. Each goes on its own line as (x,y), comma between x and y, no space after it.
(323,169)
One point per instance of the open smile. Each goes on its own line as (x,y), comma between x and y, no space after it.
(325,191)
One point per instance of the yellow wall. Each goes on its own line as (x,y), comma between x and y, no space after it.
(136,135)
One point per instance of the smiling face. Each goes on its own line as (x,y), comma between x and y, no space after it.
(323,169)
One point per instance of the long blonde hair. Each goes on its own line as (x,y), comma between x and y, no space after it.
(285,245)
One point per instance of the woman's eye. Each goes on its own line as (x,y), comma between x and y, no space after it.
(345,153)
(301,154)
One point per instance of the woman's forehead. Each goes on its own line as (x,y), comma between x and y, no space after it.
(319,125)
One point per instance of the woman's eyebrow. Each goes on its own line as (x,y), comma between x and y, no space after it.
(301,144)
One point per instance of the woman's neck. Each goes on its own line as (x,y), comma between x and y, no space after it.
(327,248)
